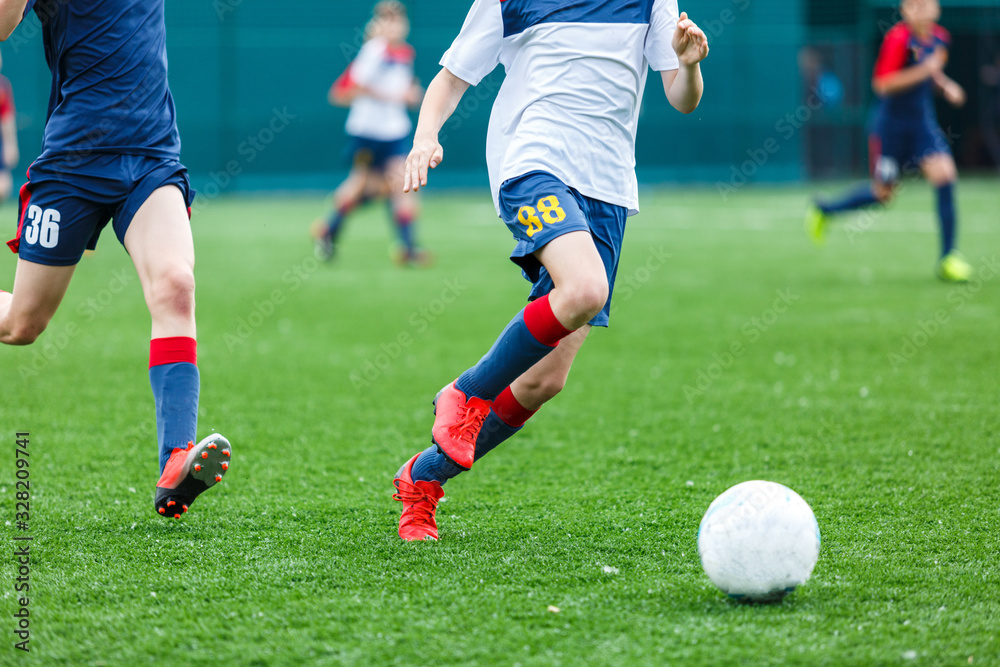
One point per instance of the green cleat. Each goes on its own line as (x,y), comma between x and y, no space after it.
(816,224)
(953,268)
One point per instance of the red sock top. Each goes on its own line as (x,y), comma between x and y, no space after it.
(179,349)
(508,409)
(542,322)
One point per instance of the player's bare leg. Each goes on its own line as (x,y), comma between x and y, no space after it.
(162,249)
(940,171)
(38,290)
(543,381)
(405,208)
(581,281)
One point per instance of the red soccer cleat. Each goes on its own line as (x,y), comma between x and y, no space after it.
(419,500)
(183,480)
(457,422)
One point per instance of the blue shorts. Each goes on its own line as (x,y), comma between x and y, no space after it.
(374,153)
(537,207)
(68,201)
(897,147)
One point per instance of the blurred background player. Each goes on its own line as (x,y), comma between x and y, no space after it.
(109,69)
(9,154)
(379,87)
(561,157)
(905,135)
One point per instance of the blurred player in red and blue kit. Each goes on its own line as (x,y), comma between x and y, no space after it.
(111,151)
(905,134)
(379,87)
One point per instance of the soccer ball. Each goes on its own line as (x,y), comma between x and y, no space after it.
(758,541)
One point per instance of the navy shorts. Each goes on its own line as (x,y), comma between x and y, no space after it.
(537,207)
(897,147)
(67,202)
(374,153)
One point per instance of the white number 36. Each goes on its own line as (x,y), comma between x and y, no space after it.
(44,228)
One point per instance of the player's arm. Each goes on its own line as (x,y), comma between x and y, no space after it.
(892,77)
(684,85)
(11,13)
(950,89)
(442,98)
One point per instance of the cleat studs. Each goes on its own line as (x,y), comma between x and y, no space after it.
(227,453)
(171,503)
(162,511)
(218,478)
(225,466)
(197,467)
(213,446)
(177,516)
(184,507)
(204,455)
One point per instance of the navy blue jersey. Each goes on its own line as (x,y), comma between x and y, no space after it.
(109,78)
(903,48)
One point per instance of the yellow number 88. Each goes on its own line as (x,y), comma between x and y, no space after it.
(550,210)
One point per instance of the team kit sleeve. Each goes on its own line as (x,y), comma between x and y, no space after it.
(942,36)
(892,54)
(364,69)
(476,51)
(662,24)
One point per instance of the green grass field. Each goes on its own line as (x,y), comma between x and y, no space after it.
(873,394)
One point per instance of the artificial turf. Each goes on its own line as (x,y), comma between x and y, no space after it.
(737,351)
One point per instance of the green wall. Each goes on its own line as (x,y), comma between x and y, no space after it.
(234,62)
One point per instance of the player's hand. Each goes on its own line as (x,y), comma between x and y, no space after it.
(689,42)
(935,62)
(427,154)
(953,93)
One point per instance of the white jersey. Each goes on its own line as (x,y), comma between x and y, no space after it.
(575,78)
(388,72)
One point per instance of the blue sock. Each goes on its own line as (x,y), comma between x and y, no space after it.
(860,197)
(433,466)
(404,227)
(946,215)
(175,389)
(494,432)
(514,352)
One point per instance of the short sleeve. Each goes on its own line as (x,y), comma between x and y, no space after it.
(662,24)
(892,54)
(365,67)
(476,51)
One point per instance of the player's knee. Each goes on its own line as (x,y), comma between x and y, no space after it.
(587,297)
(25,332)
(173,291)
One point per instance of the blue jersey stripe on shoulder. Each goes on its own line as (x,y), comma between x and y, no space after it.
(519,15)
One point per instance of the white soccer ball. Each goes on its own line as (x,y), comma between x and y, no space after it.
(758,541)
